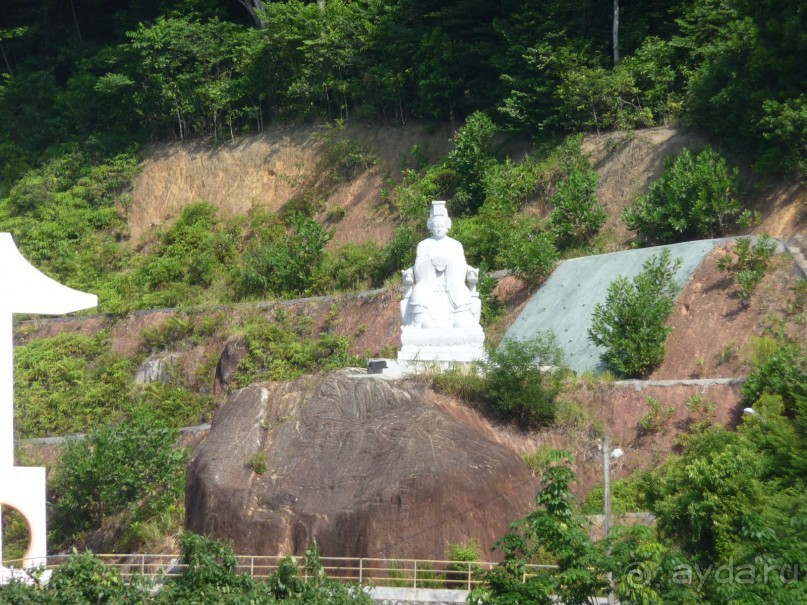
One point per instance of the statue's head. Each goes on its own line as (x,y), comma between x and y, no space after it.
(439,222)
(439,225)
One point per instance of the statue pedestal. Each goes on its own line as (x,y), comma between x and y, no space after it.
(463,345)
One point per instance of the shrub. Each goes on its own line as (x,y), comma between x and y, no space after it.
(528,251)
(750,264)
(85,579)
(524,378)
(694,198)
(782,373)
(399,253)
(185,253)
(280,257)
(258,462)
(354,266)
(631,323)
(128,466)
(656,419)
(63,383)
(465,554)
(576,216)
(345,158)
(468,386)
(284,349)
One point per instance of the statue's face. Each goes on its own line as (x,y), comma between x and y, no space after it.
(439,227)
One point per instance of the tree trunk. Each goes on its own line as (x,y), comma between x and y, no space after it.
(75,20)
(255,9)
(5,59)
(616,32)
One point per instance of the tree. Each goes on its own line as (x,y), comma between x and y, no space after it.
(631,323)
(696,197)
(551,533)
(555,533)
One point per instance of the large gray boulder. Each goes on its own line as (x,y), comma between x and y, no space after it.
(367,466)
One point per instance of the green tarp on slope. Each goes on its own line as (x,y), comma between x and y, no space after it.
(565,302)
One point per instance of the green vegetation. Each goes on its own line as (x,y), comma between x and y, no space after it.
(284,349)
(211,577)
(695,197)
(750,264)
(108,78)
(656,418)
(577,217)
(730,507)
(16,534)
(83,86)
(258,463)
(631,323)
(130,468)
(63,383)
(523,379)
(520,381)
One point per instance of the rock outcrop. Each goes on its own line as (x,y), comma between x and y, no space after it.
(363,465)
(235,349)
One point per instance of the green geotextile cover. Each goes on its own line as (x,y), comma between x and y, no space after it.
(565,302)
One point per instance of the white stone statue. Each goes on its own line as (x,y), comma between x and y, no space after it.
(441,307)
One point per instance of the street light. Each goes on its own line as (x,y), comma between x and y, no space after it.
(608,456)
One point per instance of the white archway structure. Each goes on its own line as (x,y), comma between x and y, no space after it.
(25,290)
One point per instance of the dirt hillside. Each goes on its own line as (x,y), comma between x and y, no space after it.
(272,169)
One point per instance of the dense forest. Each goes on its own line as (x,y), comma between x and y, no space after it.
(78,72)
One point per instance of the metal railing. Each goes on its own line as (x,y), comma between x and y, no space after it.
(411,573)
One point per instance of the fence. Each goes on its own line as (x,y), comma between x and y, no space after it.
(404,573)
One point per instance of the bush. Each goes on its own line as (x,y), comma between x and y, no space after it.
(524,378)
(284,349)
(630,325)
(185,253)
(750,264)
(353,267)
(655,419)
(782,373)
(694,198)
(132,466)
(85,579)
(470,159)
(577,216)
(280,258)
(63,383)
(529,252)
(465,554)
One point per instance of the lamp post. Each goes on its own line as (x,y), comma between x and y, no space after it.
(608,456)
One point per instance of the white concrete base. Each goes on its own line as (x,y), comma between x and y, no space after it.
(385,594)
(396,368)
(23,487)
(442,345)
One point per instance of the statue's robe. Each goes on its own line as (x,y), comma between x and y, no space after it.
(440,272)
